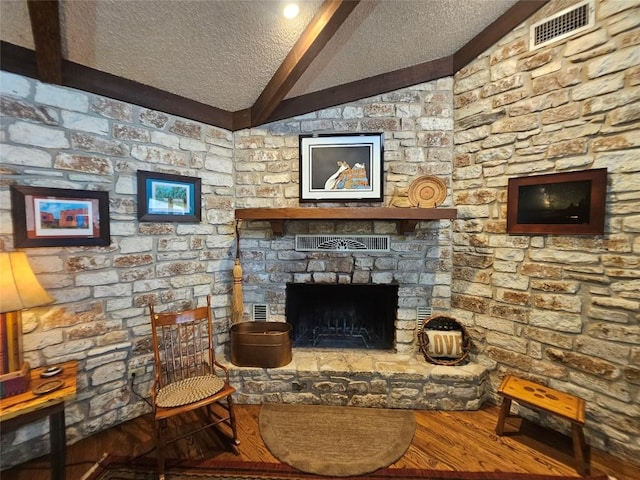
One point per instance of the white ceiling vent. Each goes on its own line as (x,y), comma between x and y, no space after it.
(342,243)
(259,312)
(563,24)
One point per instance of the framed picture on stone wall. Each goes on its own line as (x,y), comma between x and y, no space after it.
(560,203)
(341,167)
(53,217)
(164,197)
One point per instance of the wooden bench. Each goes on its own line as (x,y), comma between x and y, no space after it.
(550,401)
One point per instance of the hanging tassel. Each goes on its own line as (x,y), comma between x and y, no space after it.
(237,303)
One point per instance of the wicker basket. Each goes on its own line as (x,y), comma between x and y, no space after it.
(444,324)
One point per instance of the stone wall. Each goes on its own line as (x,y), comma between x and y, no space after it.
(61,138)
(559,309)
(417,123)
(360,378)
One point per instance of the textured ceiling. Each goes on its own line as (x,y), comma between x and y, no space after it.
(242,58)
(383,36)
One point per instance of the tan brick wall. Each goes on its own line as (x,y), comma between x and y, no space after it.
(559,309)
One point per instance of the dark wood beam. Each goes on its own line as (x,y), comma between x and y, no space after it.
(509,20)
(364,88)
(22,61)
(323,26)
(118,88)
(45,25)
(18,60)
(242,119)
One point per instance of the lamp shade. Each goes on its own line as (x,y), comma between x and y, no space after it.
(19,287)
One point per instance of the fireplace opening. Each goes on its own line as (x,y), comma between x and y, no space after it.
(342,316)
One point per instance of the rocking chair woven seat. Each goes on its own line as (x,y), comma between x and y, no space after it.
(444,341)
(188,390)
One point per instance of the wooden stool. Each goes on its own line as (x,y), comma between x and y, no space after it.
(551,401)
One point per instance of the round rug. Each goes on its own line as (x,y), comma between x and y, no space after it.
(338,441)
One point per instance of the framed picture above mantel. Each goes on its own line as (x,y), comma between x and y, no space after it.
(561,203)
(341,167)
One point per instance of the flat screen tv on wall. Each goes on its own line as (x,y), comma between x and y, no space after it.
(559,203)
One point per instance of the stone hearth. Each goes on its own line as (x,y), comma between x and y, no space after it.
(364,379)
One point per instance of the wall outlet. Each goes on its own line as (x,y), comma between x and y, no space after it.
(136,372)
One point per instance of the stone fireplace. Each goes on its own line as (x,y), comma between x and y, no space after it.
(342,316)
(388,285)
(410,271)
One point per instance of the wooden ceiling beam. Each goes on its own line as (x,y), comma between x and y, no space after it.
(22,61)
(45,25)
(88,79)
(323,26)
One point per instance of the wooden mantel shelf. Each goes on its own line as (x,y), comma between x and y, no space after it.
(407,218)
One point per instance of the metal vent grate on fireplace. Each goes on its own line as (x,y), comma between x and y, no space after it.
(422,313)
(563,24)
(259,312)
(342,243)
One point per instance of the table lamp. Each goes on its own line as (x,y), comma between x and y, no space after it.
(19,289)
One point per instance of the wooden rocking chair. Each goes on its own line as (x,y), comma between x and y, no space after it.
(188,377)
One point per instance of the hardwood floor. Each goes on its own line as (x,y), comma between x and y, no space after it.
(463,441)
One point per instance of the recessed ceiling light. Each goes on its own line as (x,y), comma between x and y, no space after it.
(291,10)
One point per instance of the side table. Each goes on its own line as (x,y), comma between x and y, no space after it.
(27,407)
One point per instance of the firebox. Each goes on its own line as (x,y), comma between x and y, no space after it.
(342,316)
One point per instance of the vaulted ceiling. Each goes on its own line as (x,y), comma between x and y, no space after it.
(237,64)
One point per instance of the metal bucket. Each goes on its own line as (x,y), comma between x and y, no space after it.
(261,344)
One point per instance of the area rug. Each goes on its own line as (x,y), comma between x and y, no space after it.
(336,441)
(119,468)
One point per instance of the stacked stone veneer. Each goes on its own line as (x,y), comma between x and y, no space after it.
(559,309)
(364,379)
(62,138)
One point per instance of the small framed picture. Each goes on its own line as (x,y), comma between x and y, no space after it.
(163,197)
(344,167)
(52,217)
(571,203)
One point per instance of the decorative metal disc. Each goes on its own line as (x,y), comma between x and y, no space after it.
(427,192)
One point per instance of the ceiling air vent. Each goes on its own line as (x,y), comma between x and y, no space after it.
(561,25)
(259,312)
(342,243)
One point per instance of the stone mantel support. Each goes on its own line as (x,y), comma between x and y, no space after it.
(407,218)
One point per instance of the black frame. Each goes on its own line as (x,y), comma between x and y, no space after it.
(192,186)
(558,203)
(35,225)
(323,155)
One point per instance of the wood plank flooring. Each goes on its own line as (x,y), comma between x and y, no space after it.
(462,441)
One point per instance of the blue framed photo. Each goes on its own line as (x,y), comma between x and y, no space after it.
(164,197)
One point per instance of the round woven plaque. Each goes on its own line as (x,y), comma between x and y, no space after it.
(427,192)
(188,391)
